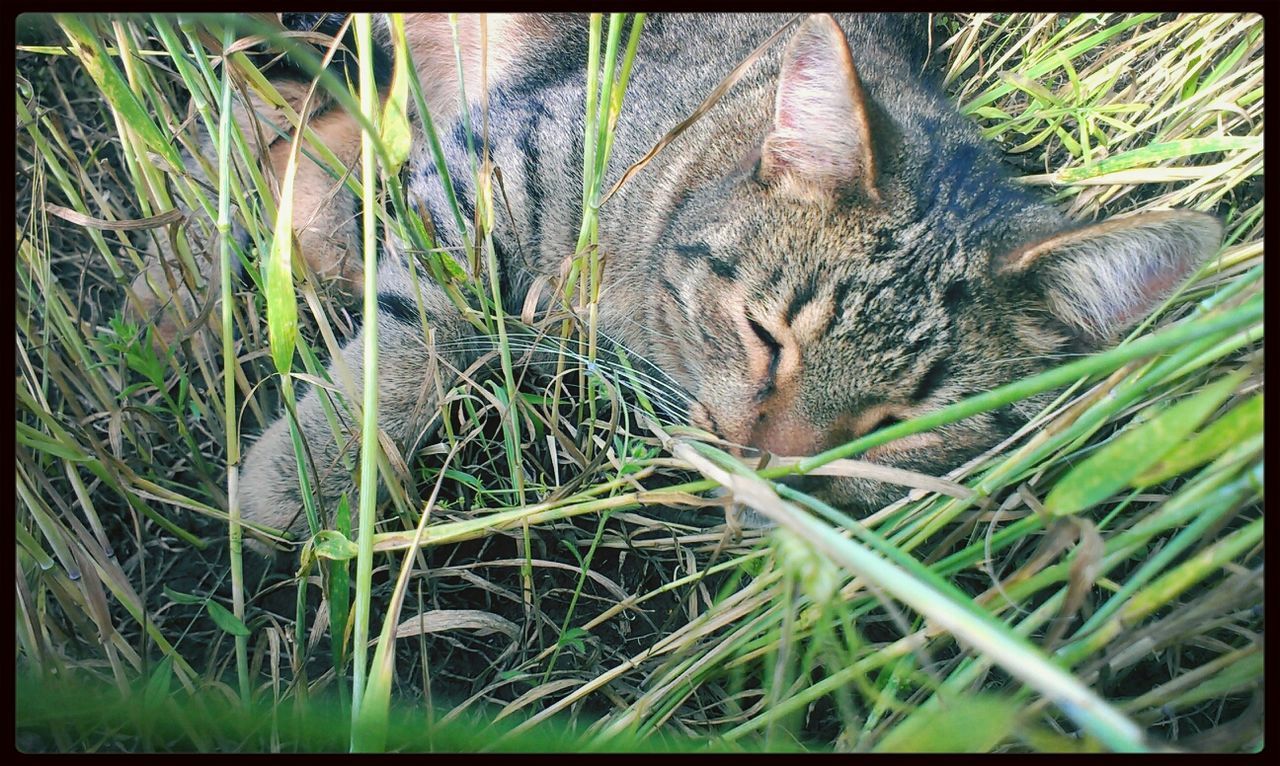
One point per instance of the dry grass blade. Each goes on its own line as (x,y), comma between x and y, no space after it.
(151,222)
(862,469)
(445,620)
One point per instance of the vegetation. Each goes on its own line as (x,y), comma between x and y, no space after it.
(556,572)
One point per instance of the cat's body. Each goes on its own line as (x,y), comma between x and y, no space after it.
(830,247)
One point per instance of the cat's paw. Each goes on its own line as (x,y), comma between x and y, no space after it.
(159,298)
(269,494)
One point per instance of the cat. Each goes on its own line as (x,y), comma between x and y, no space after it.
(829,249)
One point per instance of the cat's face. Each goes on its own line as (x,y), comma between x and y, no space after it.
(799,325)
(809,300)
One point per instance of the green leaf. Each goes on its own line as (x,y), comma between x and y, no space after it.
(342,518)
(29,437)
(27,542)
(182,598)
(464,478)
(1119,462)
(573,638)
(991,113)
(1030,87)
(333,545)
(1162,152)
(339,585)
(225,619)
(396,133)
(282,303)
(1241,422)
(969,725)
(1069,141)
(453,271)
(156,693)
(116,89)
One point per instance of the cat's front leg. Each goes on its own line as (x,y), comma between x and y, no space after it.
(409,377)
(171,297)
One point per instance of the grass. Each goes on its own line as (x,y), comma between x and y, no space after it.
(1093,583)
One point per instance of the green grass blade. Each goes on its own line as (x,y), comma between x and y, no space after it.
(368,723)
(1118,463)
(115,89)
(1241,423)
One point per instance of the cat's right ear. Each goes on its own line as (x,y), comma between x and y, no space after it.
(1100,280)
(821,134)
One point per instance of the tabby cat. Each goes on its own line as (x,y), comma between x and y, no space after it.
(827,250)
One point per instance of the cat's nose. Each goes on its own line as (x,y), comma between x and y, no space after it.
(789,435)
(792,435)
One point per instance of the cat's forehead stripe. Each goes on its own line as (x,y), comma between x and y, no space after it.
(804,293)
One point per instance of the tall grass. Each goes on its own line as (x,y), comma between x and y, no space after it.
(1093,583)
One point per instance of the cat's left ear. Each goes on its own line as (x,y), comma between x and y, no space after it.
(821,132)
(1103,279)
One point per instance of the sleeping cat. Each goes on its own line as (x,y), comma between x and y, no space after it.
(827,250)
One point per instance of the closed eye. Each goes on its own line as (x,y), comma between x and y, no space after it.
(885,422)
(934,378)
(771,343)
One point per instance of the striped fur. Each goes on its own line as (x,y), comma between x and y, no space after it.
(829,248)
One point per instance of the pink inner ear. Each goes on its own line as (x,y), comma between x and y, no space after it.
(800,78)
(820,128)
(1103,278)
(1156,282)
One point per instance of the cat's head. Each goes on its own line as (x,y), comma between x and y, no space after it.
(857,270)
